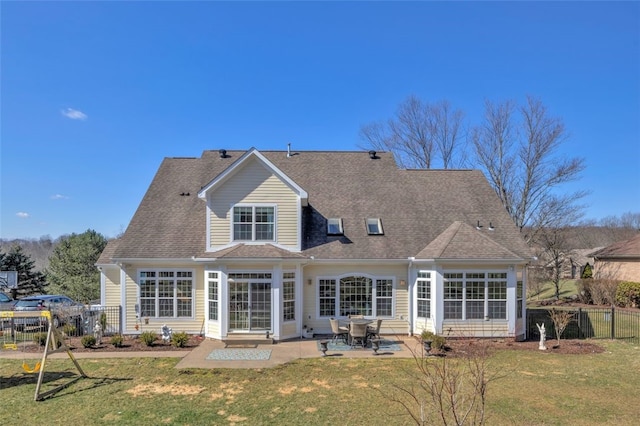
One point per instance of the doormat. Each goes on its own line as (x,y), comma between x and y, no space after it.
(339,346)
(240,354)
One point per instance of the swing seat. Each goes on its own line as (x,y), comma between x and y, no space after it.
(35,369)
(10,346)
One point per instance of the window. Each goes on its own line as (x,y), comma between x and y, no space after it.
(384,298)
(497,296)
(453,294)
(424,294)
(355,295)
(214,285)
(253,223)
(166,293)
(374,226)
(334,226)
(475,295)
(327,297)
(519,297)
(289,296)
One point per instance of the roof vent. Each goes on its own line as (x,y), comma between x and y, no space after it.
(289,150)
(372,154)
(223,153)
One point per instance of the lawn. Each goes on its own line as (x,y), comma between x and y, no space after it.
(534,388)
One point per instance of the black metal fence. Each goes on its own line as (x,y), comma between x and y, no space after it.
(108,317)
(14,330)
(588,323)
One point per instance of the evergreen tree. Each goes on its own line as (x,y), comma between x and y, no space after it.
(587,272)
(72,269)
(29,281)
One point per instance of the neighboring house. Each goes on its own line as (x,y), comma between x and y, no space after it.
(620,261)
(251,242)
(573,262)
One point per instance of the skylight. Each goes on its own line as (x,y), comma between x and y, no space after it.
(374,226)
(334,226)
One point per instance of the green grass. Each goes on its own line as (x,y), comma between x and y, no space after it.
(568,288)
(536,388)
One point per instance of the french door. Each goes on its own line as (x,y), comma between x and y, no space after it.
(249,305)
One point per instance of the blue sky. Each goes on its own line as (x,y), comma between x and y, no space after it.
(95,94)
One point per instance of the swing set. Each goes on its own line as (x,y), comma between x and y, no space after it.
(55,343)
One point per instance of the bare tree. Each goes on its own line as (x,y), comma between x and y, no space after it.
(444,391)
(518,150)
(561,319)
(553,243)
(419,134)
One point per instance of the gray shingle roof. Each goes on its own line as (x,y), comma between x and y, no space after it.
(622,249)
(415,207)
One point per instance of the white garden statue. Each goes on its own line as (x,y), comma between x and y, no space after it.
(543,337)
(97,333)
(166,333)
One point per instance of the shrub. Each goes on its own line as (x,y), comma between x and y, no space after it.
(117,340)
(180,339)
(40,338)
(148,337)
(69,329)
(597,292)
(628,294)
(88,341)
(103,321)
(437,342)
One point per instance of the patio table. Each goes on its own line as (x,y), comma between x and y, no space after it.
(358,321)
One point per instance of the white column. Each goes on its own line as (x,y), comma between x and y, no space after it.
(276,302)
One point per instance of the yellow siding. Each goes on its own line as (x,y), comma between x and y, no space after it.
(452,328)
(254,184)
(289,329)
(112,286)
(188,325)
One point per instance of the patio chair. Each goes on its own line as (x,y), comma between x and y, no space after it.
(338,331)
(358,334)
(374,331)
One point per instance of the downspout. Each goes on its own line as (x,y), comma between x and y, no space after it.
(410,291)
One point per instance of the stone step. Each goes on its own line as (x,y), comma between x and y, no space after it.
(246,340)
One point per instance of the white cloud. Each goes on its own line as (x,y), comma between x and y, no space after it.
(59,197)
(74,114)
(22,215)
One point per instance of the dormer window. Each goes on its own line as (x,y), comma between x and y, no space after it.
(334,226)
(374,226)
(254,223)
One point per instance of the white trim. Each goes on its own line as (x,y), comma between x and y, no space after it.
(253,223)
(175,317)
(233,168)
(373,278)
(123,296)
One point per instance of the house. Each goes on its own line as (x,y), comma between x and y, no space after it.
(619,261)
(274,242)
(573,263)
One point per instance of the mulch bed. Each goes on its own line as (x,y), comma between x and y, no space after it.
(454,347)
(462,347)
(130,344)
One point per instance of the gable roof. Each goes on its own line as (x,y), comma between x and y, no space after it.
(622,249)
(415,206)
(462,241)
(237,165)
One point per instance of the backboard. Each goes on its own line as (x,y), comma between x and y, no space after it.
(8,280)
